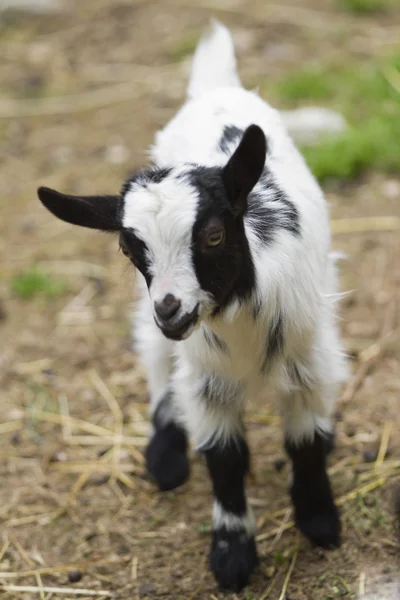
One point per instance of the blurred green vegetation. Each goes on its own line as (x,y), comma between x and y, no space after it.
(368,95)
(35,282)
(184,46)
(366,6)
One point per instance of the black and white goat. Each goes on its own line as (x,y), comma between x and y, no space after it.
(230,233)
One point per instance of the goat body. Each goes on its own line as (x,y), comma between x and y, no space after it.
(230,233)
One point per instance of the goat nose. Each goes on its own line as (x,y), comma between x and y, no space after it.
(168,307)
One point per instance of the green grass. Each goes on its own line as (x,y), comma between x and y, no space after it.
(371,106)
(35,282)
(306,84)
(371,145)
(204,527)
(365,6)
(183,47)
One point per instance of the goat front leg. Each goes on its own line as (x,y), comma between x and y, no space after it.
(233,555)
(215,424)
(308,440)
(166,453)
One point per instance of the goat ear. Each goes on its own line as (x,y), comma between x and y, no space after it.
(96,212)
(244,168)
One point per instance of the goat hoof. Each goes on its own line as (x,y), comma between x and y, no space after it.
(166,457)
(233,558)
(322,527)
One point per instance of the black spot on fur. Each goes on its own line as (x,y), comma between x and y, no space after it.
(275,342)
(263,219)
(233,558)
(230,135)
(215,342)
(315,512)
(290,218)
(265,216)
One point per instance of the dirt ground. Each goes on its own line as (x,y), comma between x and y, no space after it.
(74,494)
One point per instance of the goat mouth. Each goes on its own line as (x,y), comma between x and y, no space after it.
(183,328)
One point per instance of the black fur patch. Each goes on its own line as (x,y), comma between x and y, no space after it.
(230,135)
(315,512)
(215,342)
(290,218)
(264,217)
(228,464)
(275,343)
(138,252)
(233,558)
(227,271)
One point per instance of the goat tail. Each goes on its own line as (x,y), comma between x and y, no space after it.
(214,62)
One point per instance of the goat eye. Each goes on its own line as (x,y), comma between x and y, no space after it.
(215,238)
(126,252)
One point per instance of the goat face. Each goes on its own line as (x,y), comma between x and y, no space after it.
(183,229)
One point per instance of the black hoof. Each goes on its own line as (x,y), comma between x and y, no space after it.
(321,526)
(166,457)
(233,558)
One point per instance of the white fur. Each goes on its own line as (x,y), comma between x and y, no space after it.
(163,215)
(231,522)
(295,274)
(214,62)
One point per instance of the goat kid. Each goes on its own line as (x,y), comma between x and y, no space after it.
(230,234)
